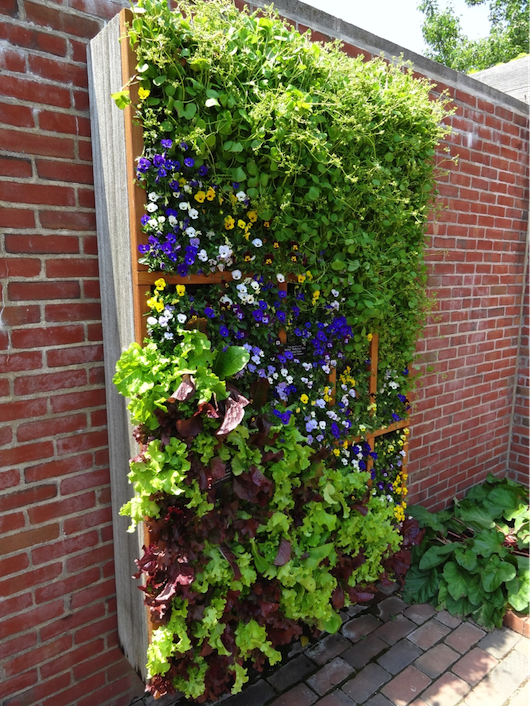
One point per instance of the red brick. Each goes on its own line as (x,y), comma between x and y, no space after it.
(48,336)
(64,123)
(11,523)
(32,38)
(21,410)
(93,593)
(95,333)
(67,586)
(19,644)
(62,21)
(14,564)
(61,508)
(83,481)
(51,427)
(99,418)
(27,453)
(91,289)
(73,312)
(58,71)
(301,695)
(29,579)
(9,479)
(49,381)
(77,400)
(29,618)
(17,192)
(20,267)
(89,558)
(12,166)
(95,518)
(85,148)
(67,623)
(30,496)
(17,217)
(19,682)
(71,658)
(72,267)
(65,171)
(41,690)
(34,291)
(98,629)
(86,198)
(70,220)
(56,468)
(22,88)
(82,442)
(13,60)
(64,547)
(42,244)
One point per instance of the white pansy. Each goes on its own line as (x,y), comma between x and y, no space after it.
(172,221)
(242,288)
(221,267)
(334,292)
(153,196)
(151,207)
(190,231)
(161,219)
(226,300)
(168,335)
(280,278)
(322,424)
(257,242)
(182,318)
(236,274)
(193,213)
(241,196)
(393,385)
(224,251)
(153,223)
(202,255)
(255,286)
(187,188)
(284,372)
(289,379)
(184,205)
(250,299)
(151,321)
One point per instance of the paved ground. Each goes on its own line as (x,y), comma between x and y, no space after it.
(397,655)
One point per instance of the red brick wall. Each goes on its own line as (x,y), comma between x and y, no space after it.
(58,638)
(518,461)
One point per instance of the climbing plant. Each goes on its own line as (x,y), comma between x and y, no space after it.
(304,177)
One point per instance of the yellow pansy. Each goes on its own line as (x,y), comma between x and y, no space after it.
(370,336)
(151,302)
(181,290)
(304,399)
(252,216)
(182,181)
(309,275)
(301,279)
(200,196)
(316,295)
(210,194)
(229,222)
(143,93)
(160,284)
(406,431)
(336,452)
(241,223)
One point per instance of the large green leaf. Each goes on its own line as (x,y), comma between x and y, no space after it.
(519,591)
(505,502)
(496,572)
(437,555)
(458,580)
(487,543)
(230,361)
(420,586)
(333,624)
(426,518)
(466,558)
(474,515)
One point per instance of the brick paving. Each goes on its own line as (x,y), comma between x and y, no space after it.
(392,654)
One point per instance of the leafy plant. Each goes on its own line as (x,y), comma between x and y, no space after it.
(473,559)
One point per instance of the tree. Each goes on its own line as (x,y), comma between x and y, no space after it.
(508,37)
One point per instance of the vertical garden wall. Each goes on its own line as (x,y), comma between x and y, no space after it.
(286,193)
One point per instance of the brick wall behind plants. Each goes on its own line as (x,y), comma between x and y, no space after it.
(58,638)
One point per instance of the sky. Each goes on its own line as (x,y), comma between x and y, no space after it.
(399,20)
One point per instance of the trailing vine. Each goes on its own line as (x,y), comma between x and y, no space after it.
(305,177)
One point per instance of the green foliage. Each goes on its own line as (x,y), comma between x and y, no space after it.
(507,40)
(474,559)
(335,154)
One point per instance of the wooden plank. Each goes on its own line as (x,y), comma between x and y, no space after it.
(111,176)
(134,144)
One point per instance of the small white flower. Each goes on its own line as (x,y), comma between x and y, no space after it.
(153,223)
(193,213)
(182,318)
(202,255)
(241,288)
(151,207)
(168,335)
(275,376)
(241,196)
(256,359)
(226,300)
(172,221)
(322,424)
(257,242)
(335,293)
(221,267)
(236,274)
(255,286)
(284,372)
(210,234)
(224,251)
(187,188)
(280,278)
(190,230)
(184,205)
(153,197)
(250,299)
(161,219)
(151,321)
(289,379)
(393,385)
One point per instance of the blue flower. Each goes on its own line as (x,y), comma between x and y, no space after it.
(262,305)
(189,162)
(166,144)
(158,160)
(143,249)
(402,398)
(257,314)
(224,331)
(162,172)
(144,219)
(203,170)
(143,165)
(210,313)
(183,146)
(182,270)
(282,295)
(281,316)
